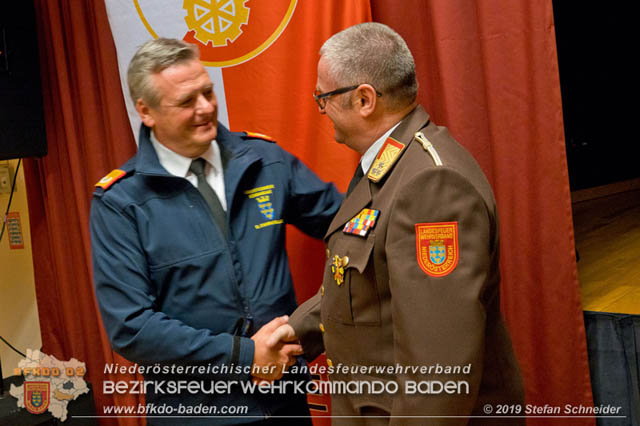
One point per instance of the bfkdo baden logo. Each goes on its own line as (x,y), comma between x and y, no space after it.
(227,32)
(49,384)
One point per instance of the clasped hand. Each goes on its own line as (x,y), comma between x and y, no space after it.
(276,346)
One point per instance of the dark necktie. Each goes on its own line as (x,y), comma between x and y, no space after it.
(355,179)
(197,168)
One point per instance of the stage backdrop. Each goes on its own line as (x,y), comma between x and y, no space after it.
(487,71)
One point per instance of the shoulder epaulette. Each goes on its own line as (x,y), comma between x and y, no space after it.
(111,178)
(428,146)
(254,135)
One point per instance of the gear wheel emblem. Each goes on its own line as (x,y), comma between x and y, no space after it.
(216,21)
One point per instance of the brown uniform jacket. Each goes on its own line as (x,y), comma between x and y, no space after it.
(420,289)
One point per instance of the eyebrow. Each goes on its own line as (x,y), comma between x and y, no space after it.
(187,96)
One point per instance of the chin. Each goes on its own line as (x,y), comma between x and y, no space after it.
(206,133)
(213,133)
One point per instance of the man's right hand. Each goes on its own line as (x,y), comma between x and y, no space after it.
(284,334)
(274,349)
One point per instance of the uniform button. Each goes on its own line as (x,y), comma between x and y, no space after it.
(345,261)
(321,327)
(329,363)
(322,291)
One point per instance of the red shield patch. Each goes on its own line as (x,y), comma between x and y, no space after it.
(36,396)
(437,247)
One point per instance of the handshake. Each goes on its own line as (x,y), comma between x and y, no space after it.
(276,347)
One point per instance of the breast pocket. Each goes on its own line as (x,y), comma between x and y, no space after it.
(351,293)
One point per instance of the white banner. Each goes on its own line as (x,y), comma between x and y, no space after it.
(134,22)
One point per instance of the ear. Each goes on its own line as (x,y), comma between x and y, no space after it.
(145,113)
(367,100)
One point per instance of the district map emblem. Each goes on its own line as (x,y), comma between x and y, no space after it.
(36,396)
(437,247)
(49,384)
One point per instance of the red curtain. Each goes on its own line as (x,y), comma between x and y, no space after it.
(87,133)
(489,71)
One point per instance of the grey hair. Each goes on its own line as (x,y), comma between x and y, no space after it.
(153,57)
(375,54)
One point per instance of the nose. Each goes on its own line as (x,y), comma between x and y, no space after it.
(206,105)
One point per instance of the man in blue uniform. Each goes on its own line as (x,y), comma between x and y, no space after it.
(188,242)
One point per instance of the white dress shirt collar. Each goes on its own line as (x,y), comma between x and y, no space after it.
(367,159)
(178,165)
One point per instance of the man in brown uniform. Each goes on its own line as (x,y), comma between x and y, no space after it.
(411,281)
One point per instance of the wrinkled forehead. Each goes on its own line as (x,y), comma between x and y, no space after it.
(182,78)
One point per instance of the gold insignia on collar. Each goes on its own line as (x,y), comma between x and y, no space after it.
(387,156)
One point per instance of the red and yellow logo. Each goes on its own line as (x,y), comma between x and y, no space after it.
(437,247)
(227,32)
(36,396)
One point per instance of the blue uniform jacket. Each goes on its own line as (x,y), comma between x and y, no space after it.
(171,289)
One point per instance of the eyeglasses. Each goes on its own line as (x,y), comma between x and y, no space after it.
(321,98)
